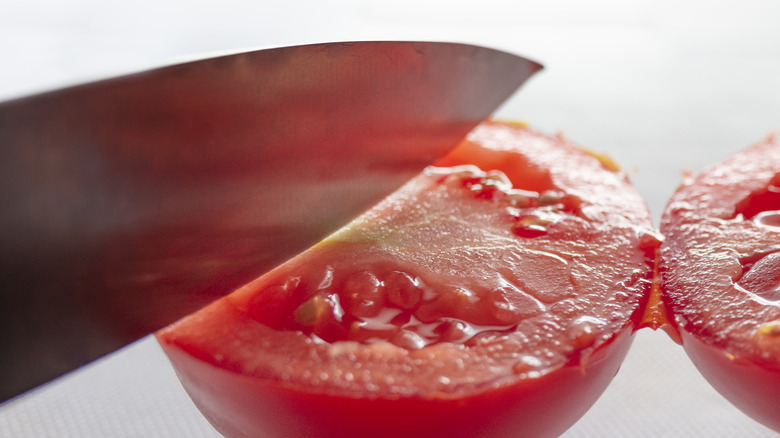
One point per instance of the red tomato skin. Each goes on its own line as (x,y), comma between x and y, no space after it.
(751,388)
(241,406)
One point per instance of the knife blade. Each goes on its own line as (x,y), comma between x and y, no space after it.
(130,202)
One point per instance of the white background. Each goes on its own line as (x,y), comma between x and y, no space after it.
(662,86)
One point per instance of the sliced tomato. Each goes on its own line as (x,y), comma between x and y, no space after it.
(494,295)
(720,276)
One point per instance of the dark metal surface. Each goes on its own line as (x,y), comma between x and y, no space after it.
(128,203)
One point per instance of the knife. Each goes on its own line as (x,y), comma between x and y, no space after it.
(128,203)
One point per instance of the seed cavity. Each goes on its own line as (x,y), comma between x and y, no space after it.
(769,218)
(273,303)
(765,199)
(492,185)
(533,212)
(761,276)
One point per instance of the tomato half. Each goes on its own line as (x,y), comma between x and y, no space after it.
(494,295)
(720,276)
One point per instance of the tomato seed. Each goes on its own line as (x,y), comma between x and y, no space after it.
(452,331)
(521,198)
(310,311)
(770,330)
(316,309)
(408,340)
(403,291)
(549,197)
(363,294)
(768,339)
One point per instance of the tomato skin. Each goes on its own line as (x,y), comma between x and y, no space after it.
(239,406)
(750,387)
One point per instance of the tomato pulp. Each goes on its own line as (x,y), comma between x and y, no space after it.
(494,295)
(720,276)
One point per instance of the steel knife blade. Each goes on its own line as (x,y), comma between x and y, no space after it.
(128,203)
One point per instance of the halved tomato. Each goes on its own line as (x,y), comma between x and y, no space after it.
(720,276)
(494,295)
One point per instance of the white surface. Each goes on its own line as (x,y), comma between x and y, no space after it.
(661,86)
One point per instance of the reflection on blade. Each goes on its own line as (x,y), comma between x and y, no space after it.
(131,202)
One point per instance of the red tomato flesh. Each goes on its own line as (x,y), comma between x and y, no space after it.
(720,276)
(494,295)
